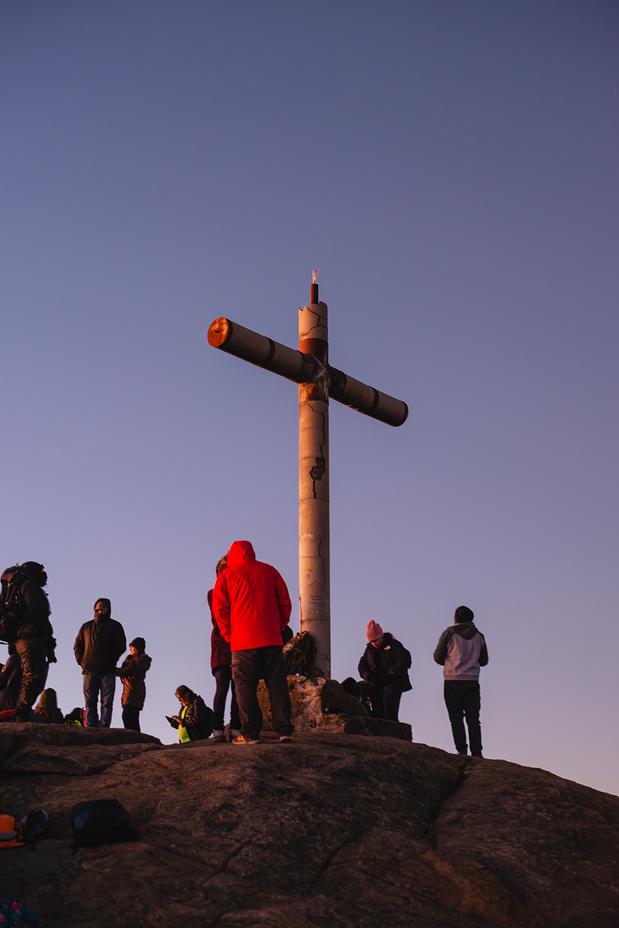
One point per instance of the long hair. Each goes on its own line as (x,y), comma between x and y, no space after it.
(185,693)
(48,704)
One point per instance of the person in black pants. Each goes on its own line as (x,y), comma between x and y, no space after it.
(462,651)
(221,666)
(132,673)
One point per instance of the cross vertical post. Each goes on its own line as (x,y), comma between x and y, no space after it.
(314,535)
(318,382)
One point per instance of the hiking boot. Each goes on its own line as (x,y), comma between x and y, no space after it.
(241,739)
(219,736)
(285,737)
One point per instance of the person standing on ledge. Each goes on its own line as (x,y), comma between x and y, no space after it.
(132,674)
(221,666)
(462,651)
(252,606)
(98,646)
(384,665)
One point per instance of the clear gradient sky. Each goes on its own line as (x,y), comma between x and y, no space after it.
(450,169)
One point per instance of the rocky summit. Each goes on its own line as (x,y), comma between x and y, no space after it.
(330,831)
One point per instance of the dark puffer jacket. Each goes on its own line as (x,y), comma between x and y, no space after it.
(387,665)
(132,673)
(34,611)
(99,644)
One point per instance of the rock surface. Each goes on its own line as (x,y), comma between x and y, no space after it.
(330,831)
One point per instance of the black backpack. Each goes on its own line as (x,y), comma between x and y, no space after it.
(12,606)
(100,821)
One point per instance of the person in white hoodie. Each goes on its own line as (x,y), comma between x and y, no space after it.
(462,651)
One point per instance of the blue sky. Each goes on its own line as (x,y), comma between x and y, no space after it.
(450,169)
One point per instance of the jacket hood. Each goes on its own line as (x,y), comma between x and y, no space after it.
(465,629)
(240,551)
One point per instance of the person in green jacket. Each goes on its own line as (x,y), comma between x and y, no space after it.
(195,721)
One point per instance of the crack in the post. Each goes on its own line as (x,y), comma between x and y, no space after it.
(319,319)
(319,469)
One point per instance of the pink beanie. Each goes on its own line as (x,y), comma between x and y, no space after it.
(373,631)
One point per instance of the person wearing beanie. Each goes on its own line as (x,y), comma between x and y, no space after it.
(98,646)
(132,673)
(462,651)
(384,665)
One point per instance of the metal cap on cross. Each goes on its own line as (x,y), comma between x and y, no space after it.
(318,382)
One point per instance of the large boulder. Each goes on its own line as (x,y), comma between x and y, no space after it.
(323,704)
(330,831)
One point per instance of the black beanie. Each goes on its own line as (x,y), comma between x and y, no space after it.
(464,614)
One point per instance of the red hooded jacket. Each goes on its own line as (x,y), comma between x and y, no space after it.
(250,601)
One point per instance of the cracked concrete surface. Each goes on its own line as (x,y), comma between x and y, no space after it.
(330,830)
(314,541)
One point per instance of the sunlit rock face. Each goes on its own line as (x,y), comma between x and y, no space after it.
(323,704)
(329,831)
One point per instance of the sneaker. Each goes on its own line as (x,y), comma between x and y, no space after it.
(285,737)
(241,739)
(219,736)
(234,733)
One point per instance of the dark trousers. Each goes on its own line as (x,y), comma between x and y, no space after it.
(248,668)
(131,718)
(463,700)
(33,656)
(223,679)
(385,704)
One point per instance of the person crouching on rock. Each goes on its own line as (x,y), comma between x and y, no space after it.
(384,665)
(132,673)
(195,720)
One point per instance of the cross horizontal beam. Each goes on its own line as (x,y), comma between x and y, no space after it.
(294,365)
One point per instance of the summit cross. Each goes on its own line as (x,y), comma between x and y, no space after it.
(318,382)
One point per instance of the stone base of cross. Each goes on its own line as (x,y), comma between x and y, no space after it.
(318,382)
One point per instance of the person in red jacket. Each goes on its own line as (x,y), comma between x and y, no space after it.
(252,606)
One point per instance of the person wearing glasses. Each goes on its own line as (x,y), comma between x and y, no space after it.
(98,646)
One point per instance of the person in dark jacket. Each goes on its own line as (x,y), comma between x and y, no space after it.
(98,646)
(221,667)
(194,721)
(132,673)
(384,665)
(252,607)
(32,637)
(462,651)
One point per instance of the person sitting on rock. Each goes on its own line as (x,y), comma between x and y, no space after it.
(47,707)
(195,720)
(132,672)
(384,665)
